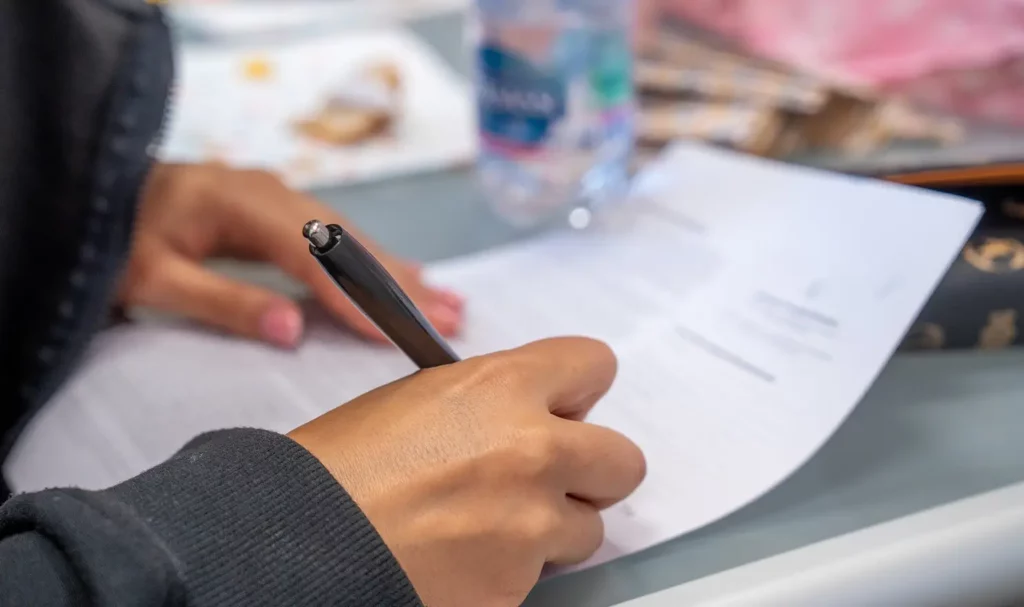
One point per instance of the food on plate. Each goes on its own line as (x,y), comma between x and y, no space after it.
(362,108)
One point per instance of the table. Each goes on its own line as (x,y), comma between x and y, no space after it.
(935,428)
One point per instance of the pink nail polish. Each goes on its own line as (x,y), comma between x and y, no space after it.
(281,324)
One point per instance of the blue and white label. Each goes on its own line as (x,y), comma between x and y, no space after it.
(519,101)
(569,88)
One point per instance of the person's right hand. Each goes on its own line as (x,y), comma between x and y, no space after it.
(476,474)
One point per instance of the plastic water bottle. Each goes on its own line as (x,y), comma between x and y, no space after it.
(555,105)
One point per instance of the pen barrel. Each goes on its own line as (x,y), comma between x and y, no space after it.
(376,293)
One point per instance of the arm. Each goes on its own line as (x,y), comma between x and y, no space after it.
(240,517)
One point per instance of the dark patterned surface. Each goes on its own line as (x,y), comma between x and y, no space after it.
(980,302)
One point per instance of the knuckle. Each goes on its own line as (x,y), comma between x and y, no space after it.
(541,524)
(537,452)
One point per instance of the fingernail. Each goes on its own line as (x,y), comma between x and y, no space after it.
(281,324)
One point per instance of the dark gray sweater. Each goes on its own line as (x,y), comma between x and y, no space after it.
(239,517)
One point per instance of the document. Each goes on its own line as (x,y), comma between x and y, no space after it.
(751,304)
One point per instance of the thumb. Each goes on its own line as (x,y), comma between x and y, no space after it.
(188,289)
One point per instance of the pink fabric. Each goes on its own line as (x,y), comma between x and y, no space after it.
(871,40)
(886,42)
(995,93)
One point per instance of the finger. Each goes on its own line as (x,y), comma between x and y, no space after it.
(446,297)
(601,466)
(444,316)
(451,299)
(572,373)
(579,534)
(188,289)
(442,309)
(274,235)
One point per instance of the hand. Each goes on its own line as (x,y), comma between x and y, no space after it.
(478,473)
(189,213)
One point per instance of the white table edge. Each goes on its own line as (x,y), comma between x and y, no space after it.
(966,552)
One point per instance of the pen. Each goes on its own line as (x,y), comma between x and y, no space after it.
(374,291)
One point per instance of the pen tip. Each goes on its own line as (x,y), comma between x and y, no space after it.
(316,233)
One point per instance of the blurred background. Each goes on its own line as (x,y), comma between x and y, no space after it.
(860,85)
(336,92)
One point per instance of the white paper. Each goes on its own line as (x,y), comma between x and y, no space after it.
(239,104)
(750,304)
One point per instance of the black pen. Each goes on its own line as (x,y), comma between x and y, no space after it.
(374,291)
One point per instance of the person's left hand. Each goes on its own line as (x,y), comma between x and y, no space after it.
(189,213)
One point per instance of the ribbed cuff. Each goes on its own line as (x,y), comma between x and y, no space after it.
(251,518)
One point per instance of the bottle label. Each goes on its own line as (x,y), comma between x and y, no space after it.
(519,100)
(539,87)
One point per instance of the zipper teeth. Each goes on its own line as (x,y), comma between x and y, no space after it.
(172,90)
(168,115)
